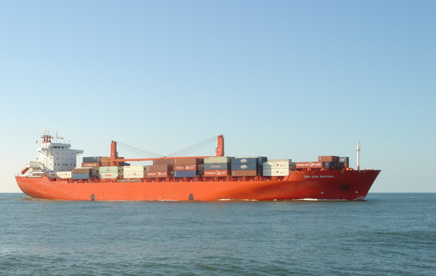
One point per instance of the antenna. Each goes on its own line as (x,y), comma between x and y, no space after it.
(358,157)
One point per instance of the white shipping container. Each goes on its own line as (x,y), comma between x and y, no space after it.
(142,174)
(110,175)
(112,169)
(63,174)
(275,172)
(278,164)
(217,159)
(134,168)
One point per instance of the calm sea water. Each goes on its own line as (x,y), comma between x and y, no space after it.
(389,234)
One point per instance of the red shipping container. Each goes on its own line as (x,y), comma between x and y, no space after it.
(191,167)
(189,161)
(157,174)
(186,167)
(328,158)
(157,168)
(244,173)
(91,164)
(216,173)
(163,162)
(307,165)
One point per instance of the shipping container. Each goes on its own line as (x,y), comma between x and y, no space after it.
(217,159)
(163,162)
(63,174)
(110,175)
(192,167)
(157,174)
(179,167)
(92,170)
(245,167)
(275,172)
(245,160)
(217,166)
(81,171)
(212,173)
(105,164)
(157,168)
(244,173)
(278,164)
(308,165)
(189,161)
(331,165)
(110,169)
(344,160)
(91,164)
(134,168)
(328,158)
(185,173)
(186,167)
(105,159)
(81,176)
(138,174)
(91,159)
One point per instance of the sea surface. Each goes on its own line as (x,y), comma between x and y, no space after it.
(388,234)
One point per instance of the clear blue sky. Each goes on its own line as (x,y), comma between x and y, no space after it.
(283,79)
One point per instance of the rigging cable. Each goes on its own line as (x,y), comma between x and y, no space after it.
(147,153)
(177,153)
(194,147)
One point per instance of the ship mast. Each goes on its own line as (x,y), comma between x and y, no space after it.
(358,157)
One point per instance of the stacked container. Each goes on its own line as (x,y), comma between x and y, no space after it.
(81,173)
(91,161)
(91,164)
(344,162)
(278,167)
(247,166)
(157,171)
(111,172)
(105,161)
(309,165)
(63,175)
(135,172)
(188,167)
(329,162)
(96,161)
(217,166)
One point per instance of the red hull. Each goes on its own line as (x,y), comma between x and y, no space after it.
(327,185)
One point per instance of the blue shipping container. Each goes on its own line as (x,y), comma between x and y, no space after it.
(80,176)
(244,167)
(247,160)
(91,159)
(185,173)
(216,166)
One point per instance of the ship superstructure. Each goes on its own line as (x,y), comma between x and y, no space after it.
(54,157)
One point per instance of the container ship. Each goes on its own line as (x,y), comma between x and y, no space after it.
(55,175)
